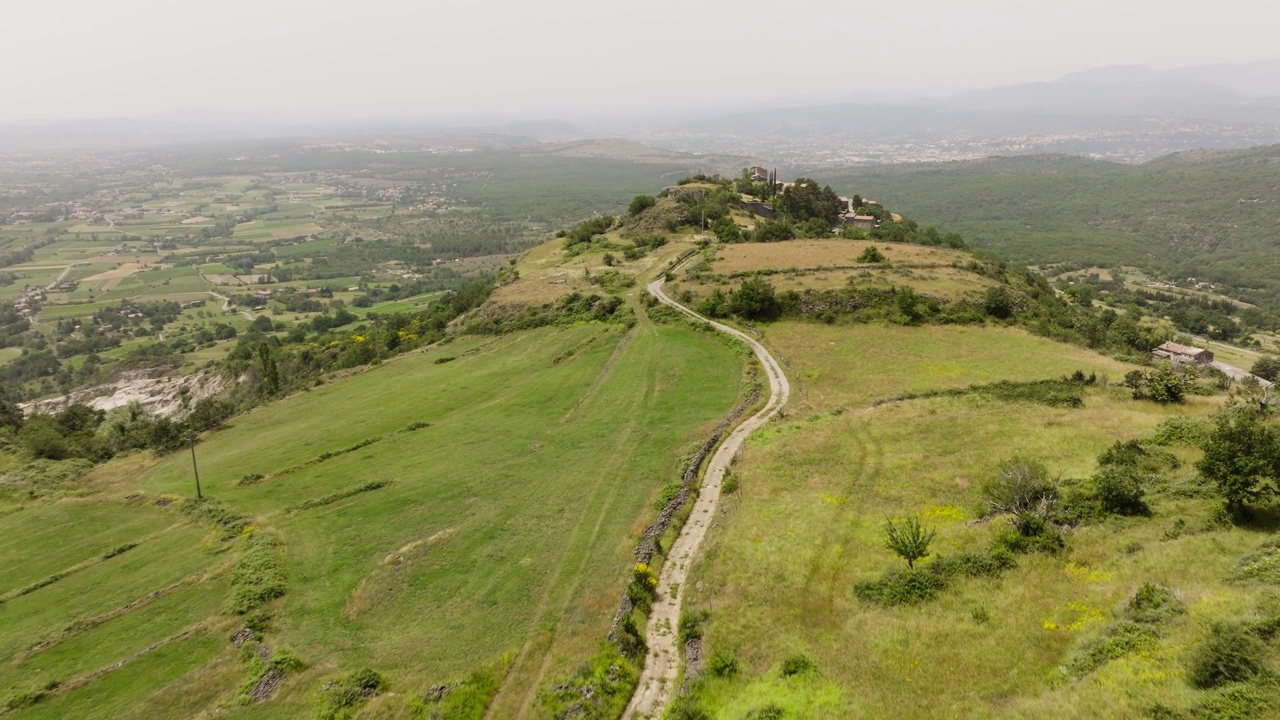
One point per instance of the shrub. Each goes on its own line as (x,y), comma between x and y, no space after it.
(641,203)
(797,665)
(1120,490)
(871,254)
(629,639)
(1267,367)
(1240,459)
(765,712)
(685,707)
(973,564)
(903,587)
(1235,702)
(668,494)
(1022,489)
(340,698)
(1229,653)
(1162,384)
(691,622)
(1042,539)
(599,689)
(1117,641)
(467,700)
(722,665)
(643,587)
(1180,430)
(1154,604)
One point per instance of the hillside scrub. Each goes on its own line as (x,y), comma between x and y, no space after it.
(597,690)
(1023,298)
(572,309)
(1074,211)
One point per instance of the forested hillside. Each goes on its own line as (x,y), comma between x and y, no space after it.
(1214,216)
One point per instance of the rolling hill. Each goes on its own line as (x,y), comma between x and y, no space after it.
(1214,216)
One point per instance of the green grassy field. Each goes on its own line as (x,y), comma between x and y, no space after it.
(808,523)
(505,528)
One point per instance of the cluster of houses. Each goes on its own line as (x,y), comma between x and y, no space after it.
(849,216)
(26,305)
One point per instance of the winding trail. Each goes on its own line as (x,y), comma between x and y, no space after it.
(227,306)
(662,664)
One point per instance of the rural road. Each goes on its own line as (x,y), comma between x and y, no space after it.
(662,664)
(226,301)
(61,277)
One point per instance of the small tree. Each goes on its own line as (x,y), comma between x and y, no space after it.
(755,300)
(871,255)
(640,204)
(909,540)
(1241,458)
(1163,384)
(1267,368)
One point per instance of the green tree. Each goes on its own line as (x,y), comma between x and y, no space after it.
(641,203)
(909,540)
(755,300)
(1240,457)
(715,305)
(1162,384)
(805,199)
(1267,367)
(871,254)
(908,302)
(727,230)
(999,302)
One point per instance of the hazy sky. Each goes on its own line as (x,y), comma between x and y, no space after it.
(319,59)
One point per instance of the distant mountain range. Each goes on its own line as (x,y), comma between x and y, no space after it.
(1123,112)
(1129,113)
(1230,93)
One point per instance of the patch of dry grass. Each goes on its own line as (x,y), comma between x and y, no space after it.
(800,254)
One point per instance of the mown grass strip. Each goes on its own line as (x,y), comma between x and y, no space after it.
(51,579)
(340,495)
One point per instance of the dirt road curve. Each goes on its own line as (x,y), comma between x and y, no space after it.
(662,664)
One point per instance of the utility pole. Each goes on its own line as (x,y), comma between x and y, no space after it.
(195,469)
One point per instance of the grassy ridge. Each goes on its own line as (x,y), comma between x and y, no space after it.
(505,526)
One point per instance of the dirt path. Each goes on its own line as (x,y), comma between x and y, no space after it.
(226,301)
(662,664)
(61,277)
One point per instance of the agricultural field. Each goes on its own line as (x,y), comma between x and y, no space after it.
(801,265)
(431,517)
(290,235)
